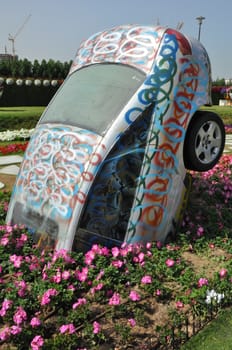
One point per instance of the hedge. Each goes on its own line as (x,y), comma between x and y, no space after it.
(14,95)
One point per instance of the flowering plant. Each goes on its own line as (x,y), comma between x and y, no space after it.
(13,148)
(114,295)
(12,135)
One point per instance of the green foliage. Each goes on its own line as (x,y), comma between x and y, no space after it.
(219,82)
(23,68)
(225,112)
(16,118)
(215,336)
(14,95)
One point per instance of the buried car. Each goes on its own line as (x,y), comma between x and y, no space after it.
(107,162)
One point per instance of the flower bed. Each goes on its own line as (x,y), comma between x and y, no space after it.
(129,297)
(13,148)
(12,135)
(20,137)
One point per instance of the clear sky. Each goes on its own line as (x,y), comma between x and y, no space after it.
(56,28)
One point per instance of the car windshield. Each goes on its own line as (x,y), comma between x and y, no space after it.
(92,97)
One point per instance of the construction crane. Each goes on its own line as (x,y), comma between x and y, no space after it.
(13,37)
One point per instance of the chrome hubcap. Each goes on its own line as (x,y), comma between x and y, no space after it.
(208,142)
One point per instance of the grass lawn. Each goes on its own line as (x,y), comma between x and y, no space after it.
(21,111)
(225,112)
(16,118)
(216,336)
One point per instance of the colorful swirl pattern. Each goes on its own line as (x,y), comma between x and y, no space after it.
(175,103)
(54,169)
(133,45)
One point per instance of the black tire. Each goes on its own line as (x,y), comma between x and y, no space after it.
(204,141)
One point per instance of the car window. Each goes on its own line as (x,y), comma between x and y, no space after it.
(92,97)
(109,203)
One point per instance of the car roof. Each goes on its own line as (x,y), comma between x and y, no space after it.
(138,46)
(133,45)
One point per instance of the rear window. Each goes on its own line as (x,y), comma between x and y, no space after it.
(92,97)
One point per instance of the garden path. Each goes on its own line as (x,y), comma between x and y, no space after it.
(9,168)
(228,146)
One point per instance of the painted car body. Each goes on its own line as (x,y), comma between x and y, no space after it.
(105,162)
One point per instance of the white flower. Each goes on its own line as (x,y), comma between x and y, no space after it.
(220,297)
(10,135)
(212,295)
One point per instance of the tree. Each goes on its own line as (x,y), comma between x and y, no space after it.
(219,82)
(35,69)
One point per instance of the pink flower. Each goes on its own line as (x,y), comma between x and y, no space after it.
(223,273)
(179,304)
(82,275)
(65,275)
(141,257)
(20,315)
(57,278)
(115,252)
(6,304)
(159,244)
(37,342)
(170,262)
(89,257)
(115,299)
(126,249)
(5,333)
(158,292)
(33,266)
(105,251)
(35,322)
(16,260)
(9,228)
(146,279)
(68,328)
(134,296)
(21,240)
(71,287)
(117,263)
(15,330)
(64,254)
(132,322)
(22,288)
(80,301)
(4,241)
(96,327)
(200,231)
(211,245)
(46,296)
(202,282)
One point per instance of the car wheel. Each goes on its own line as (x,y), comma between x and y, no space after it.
(204,141)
